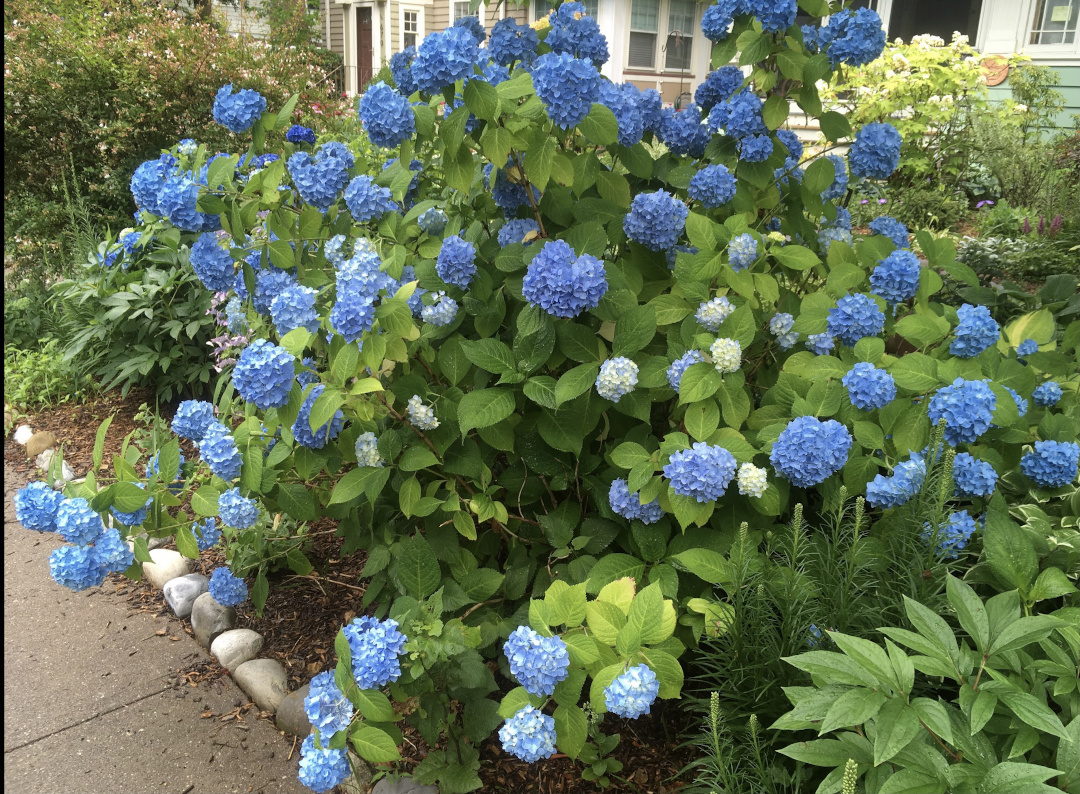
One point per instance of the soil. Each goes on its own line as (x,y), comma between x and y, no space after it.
(302,616)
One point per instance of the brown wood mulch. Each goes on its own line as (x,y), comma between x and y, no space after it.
(302,616)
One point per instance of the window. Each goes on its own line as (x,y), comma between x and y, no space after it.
(459,9)
(1054,22)
(541,8)
(675,39)
(410,28)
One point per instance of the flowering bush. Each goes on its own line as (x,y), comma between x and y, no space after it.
(542,474)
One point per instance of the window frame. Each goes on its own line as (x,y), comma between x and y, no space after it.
(1049,53)
(1032,29)
(536,6)
(481,11)
(662,33)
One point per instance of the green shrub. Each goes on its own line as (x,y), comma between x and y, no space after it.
(42,377)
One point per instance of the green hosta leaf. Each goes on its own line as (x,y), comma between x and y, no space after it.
(819,752)
(484,407)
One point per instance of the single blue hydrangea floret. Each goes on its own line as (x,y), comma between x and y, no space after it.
(632,693)
(1026,348)
(366,200)
(855,317)
(618,377)
(564,285)
(375,647)
(322,770)
(775,15)
(206,533)
(739,116)
(269,284)
(680,365)
(528,735)
(77,522)
(218,449)
(976,332)
(656,220)
(713,186)
(896,278)
(1047,394)
(683,131)
(367,451)
(973,477)
(326,707)
(629,506)
(622,100)
(192,419)
(178,202)
(808,451)
(36,506)
(888,226)
(301,428)
(264,374)
(1052,464)
(567,86)
(387,115)
(76,567)
(967,406)
(702,472)
(352,315)
(869,387)
(148,181)
(456,263)
(321,176)
(1021,403)
(226,589)
(718,17)
(113,554)
(905,482)
(875,154)
(238,111)
(538,663)
(712,313)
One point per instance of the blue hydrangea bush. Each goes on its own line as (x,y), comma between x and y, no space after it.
(543,356)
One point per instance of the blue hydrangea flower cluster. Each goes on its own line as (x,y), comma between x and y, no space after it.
(1021,403)
(206,533)
(218,449)
(718,86)
(632,693)
(319,178)
(269,284)
(432,220)
(512,42)
(713,186)
(192,419)
(367,451)
(781,326)
(831,234)
(953,537)
(853,37)
(574,32)
(652,109)
(474,26)
(366,200)
(618,377)
(235,315)
(401,71)
(718,18)
(739,116)
(514,231)
(236,510)
(896,277)
(854,317)
(869,387)
(442,312)
(755,148)
(702,472)
(375,647)
(301,428)
(77,522)
(629,506)
(36,506)
(840,179)
(226,589)
(112,552)
(1026,348)
(76,567)
(976,331)
(656,220)
(149,180)
(420,415)
(529,735)
(387,115)
(967,407)
(775,15)
(567,86)
(808,450)
(178,202)
(326,707)
(683,131)
(261,161)
(973,477)
(294,307)
(306,377)
(136,517)
(820,344)
(906,480)
(322,770)
(264,374)
(300,134)
(1052,464)
(680,365)
(622,100)
(443,58)
(742,251)
(213,264)
(1047,394)
(888,226)
(712,313)
(238,111)
(456,263)
(564,285)
(510,196)
(538,663)
(875,153)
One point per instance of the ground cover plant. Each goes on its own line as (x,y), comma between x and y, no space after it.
(556,383)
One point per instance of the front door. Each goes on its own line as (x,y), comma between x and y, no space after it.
(363,48)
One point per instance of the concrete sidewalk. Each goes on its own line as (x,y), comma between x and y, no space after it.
(92,700)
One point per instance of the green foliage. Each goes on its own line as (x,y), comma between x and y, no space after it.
(41,378)
(994,707)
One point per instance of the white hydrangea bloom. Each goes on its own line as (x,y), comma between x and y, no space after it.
(422,416)
(752,480)
(726,355)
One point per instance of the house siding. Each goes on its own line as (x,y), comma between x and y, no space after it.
(1069,86)
(244,20)
(336,14)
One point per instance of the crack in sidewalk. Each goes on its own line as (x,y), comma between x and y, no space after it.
(88,719)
